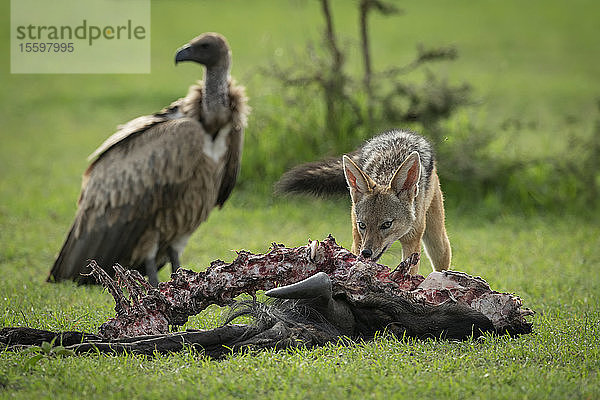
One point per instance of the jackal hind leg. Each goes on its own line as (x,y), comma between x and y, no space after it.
(435,239)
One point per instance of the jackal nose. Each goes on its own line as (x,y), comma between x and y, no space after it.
(366,253)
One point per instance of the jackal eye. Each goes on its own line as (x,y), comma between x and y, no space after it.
(362,226)
(386,225)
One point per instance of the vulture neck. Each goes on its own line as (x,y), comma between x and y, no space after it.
(215,99)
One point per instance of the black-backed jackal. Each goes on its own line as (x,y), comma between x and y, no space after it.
(395,195)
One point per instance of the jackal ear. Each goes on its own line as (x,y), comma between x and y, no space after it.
(406,178)
(358,182)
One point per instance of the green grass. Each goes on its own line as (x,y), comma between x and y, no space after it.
(550,263)
(532,62)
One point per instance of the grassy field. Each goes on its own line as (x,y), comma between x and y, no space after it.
(550,264)
(532,62)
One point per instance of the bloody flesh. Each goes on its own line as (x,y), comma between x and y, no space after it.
(147,310)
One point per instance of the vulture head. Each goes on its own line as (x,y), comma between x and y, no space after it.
(209,49)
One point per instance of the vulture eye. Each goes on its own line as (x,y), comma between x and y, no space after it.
(362,226)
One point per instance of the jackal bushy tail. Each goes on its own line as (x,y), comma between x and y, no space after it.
(320,178)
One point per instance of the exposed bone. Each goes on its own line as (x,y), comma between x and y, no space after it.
(313,249)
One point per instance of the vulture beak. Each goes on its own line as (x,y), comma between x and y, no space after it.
(184,54)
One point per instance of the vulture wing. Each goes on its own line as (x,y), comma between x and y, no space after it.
(138,125)
(130,192)
(233,158)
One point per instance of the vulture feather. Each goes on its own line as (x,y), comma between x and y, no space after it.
(152,183)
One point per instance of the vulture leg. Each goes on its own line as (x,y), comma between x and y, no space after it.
(174,258)
(151,271)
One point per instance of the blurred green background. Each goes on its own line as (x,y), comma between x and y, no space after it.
(532,67)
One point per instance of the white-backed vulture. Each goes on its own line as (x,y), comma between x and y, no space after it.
(151,184)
